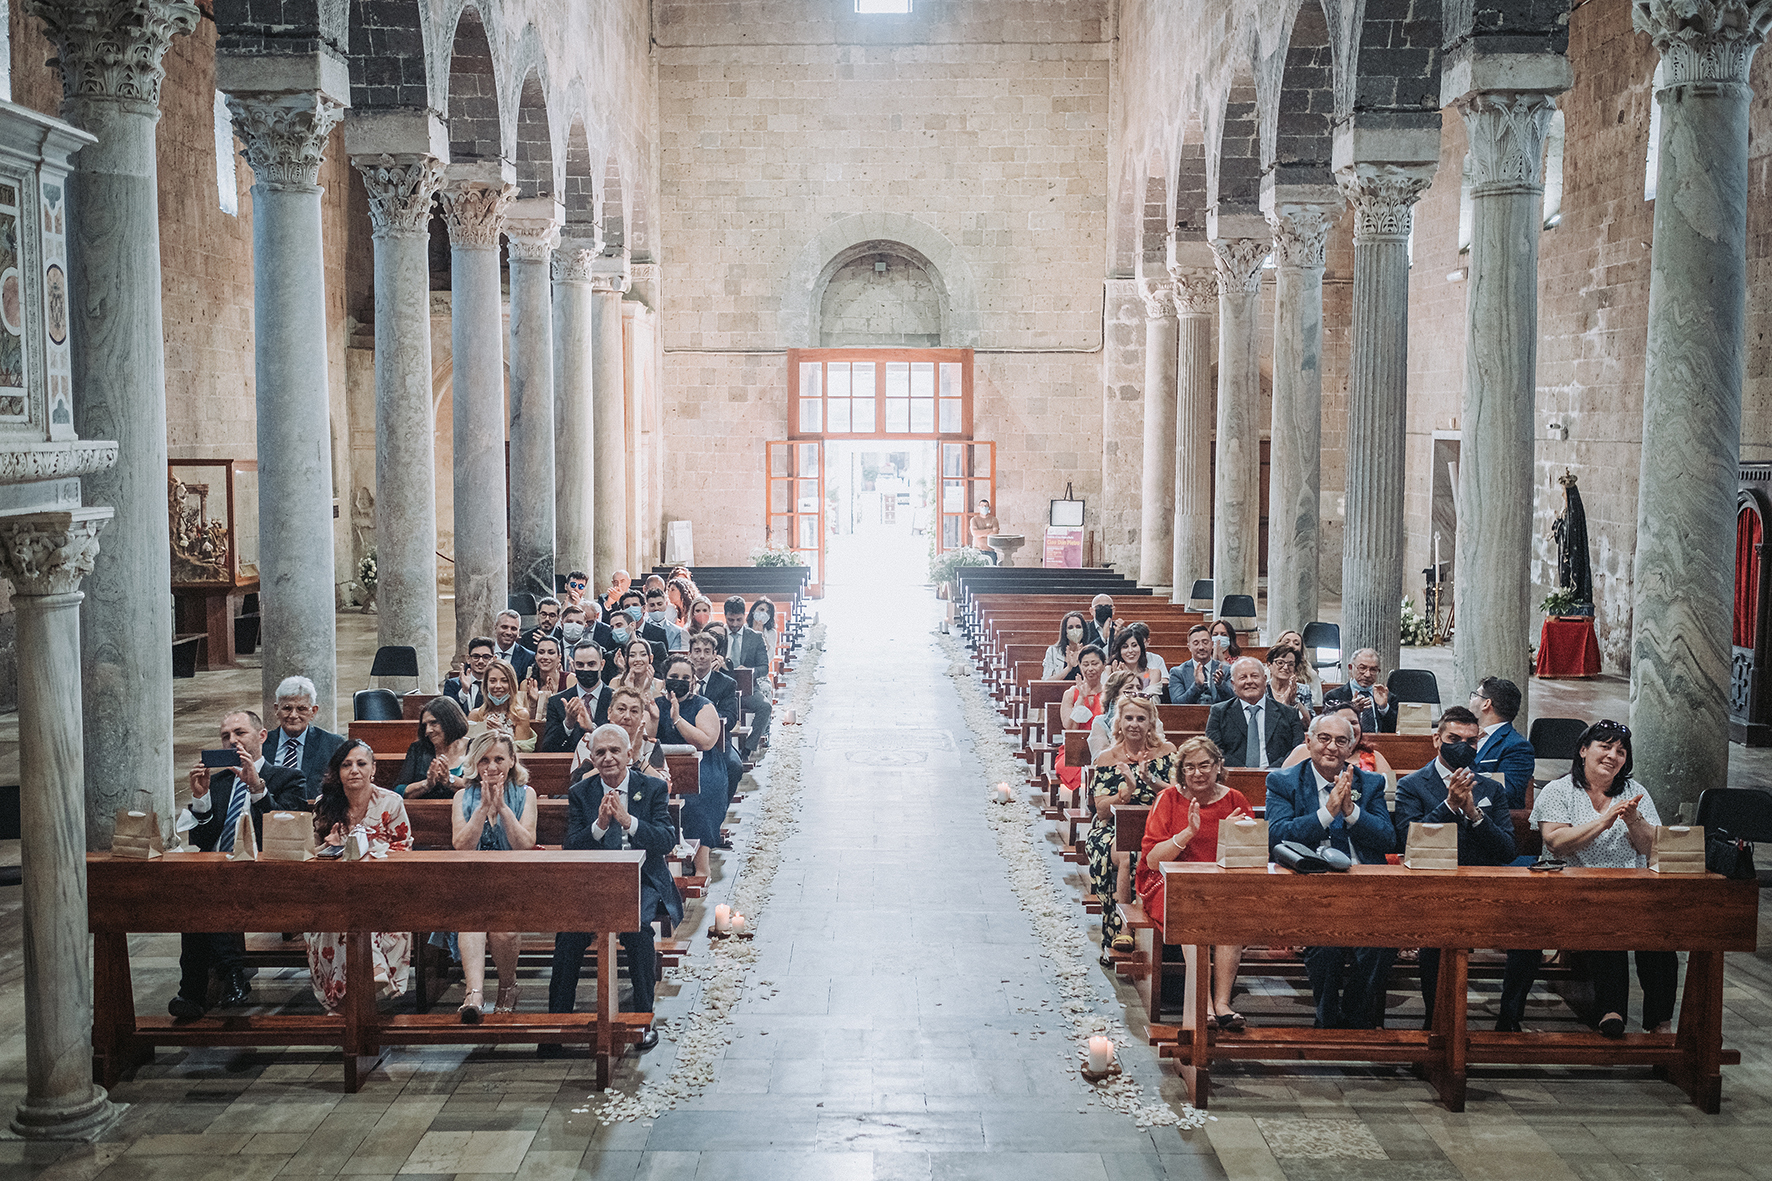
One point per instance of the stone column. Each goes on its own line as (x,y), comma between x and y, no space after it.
(475,212)
(1156,532)
(1383,200)
(1493,592)
(1295,448)
(285,137)
(574,445)
(1237,493)
(110,55)
(401,190)
(534,231)
(609,421)
(45,555)
(1196,298)
(1685,560)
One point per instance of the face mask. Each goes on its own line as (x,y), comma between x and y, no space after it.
(655,616)
(498,699)
(759,619)
(1458,754)
(677,687)
(1103,614)
(634,613)
(621,635)
(573,632)
(587,677)
(1075,633)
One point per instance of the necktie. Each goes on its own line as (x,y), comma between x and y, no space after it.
(1338,838)
(291,751)
(1253,755)
(236,806)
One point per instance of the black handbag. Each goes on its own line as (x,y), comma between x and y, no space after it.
(1299,858)
(1729,856)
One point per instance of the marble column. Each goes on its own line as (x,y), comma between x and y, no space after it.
(1156,534)
(534,231)
(110,55)
(475,213)
(1685,558)
(1383,201)
(46,555)
(1295,447)
(1493,570)
(1196,298)
(401,190)
(609,421)
(1236,499)
(574,436)
(285,137)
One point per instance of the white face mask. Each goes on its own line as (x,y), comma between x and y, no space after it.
(1075,633)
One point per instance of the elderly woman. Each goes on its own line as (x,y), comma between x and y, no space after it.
(636,716)
(1060,661)
(1131,771)
(1183,826)
(1081,705)
(1131,654)
(503,709)
(1598,817)
(685,717)
(434,762)
(349,800)
(495,809)
(1283,683)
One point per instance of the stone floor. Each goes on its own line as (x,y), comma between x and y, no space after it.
(895,1018)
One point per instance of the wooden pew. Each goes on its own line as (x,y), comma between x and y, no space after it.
(1404,752)
(386,738)
(578,891)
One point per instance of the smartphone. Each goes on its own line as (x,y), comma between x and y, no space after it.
(330,852)
(227,757)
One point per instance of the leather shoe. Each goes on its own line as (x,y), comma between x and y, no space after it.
(184,1008)
(647,1041)
(239,989)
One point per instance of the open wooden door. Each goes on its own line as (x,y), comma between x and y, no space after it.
(968,476)
(796,504)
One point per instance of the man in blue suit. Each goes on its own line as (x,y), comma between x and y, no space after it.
(1202,680)
(1504,752)
(299,744)
(1327,801)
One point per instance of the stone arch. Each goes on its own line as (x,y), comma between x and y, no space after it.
(894,233)
(535,139)
(578,195)
(1393,59)
(1153,231)
(387,57)
(1233,158)
(614,210)
(1190,183)
(1298,138)
(476,130)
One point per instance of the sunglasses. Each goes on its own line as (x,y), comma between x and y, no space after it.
(1607,726)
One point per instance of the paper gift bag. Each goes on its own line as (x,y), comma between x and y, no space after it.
(245,838)
(1431,846)
(1677,849)
(1242,844)
(289,836)
(1415,717)
(137,833)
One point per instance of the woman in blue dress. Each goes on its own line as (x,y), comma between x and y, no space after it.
(495,810)
(686,718)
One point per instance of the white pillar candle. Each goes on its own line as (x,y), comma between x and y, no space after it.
(787,717)
(1101,1054)
(722,918)
(738,924)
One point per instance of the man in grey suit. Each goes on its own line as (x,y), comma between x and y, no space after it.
(1202,680)
(745,649)
(298,743)
(1252,729)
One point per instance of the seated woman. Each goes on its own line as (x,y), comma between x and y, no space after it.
(1082,704)
(1224,642)
(350,800)
(1060,661)
(639,675)
(640,719)
(1597,816)
(494,810)
(1183,826)
(547,676)
(434,763)
(1283,682)
(762,619)
(1139,764)
(685,717)
(1131,654)
(1120,683)
(679,594)
(1308,676)
(700,611)
(503,709)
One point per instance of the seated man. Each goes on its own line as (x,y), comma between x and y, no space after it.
(1103,629)
(629,622)
(575,591)
(1325,801)
(618,808)
(466,686)
(1447,792)
(299,743)
(219,798)
(1369,695)
(659,627)
(1252,729)
(582,707)
(1504,751)
(745,648)
(718,687)
(1202,680)
(619,582)
(507,646)
(547,622)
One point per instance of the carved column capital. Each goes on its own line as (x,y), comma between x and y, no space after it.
(1159,299)
(1196,290)
(1383,198)
(1239,263)
(113,50)
(475,213)
(1506,131)
(573,265)
(285,136)
(401,189)
(1301,235)
(607,282)
(532,239)
(49,553)
(1704,41)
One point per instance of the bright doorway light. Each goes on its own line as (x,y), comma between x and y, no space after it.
(883,7)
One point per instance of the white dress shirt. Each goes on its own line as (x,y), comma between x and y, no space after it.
(1324,818)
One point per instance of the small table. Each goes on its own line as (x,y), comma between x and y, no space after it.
(211,609)
(1567,648)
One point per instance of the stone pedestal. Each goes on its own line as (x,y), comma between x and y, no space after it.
(285,137)
(1236,539)
(475,212)
(1685,560)
(574,423)
(1156,533)
(401,190)
(1196,298)
(45,555)
(609,421)
(111,74)
(534,231)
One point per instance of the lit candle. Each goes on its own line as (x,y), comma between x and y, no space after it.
(738,924)
(787,717)
(1101,1054)
(1436,553)
(1003,793)
(722,918)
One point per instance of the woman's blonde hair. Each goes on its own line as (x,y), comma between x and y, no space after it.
(477,749)
(511,679)
(1150,708)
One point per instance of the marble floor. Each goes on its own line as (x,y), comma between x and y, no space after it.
(894,1017)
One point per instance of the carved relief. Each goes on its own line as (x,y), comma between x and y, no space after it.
(1506,133)
(401,189)
(113,50)
(475,214)
(573,266)
(1159,299)
(285,136)
(1239,263)
(1383,199)
(1704,40)
(609,282)
(1301,235)
(56,461)
(1196,291)
(532,241)
(49,553)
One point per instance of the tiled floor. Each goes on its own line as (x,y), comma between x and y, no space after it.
(891,1023)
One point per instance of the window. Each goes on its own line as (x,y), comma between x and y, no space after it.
(908,393)
(883,7)
(227,187)
(1553,172)
(1652,166)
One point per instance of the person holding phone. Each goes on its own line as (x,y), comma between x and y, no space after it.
(686,718)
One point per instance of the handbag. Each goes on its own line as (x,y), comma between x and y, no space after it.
(1299,858)
(137,833)
(1729,856)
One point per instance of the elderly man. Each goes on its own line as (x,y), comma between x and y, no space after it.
(1251,728)
(1202,680)
(507,643)
(1369,695)
(1504,751)
(1325,801)
(618,808)
(301,745)
(1102,629)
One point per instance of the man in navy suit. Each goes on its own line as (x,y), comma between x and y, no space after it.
(581,707)
(507,633)
(299,744)
(618,808)
(1504,751)
(722,690)
(1277,728)
(1202,680)
(1326,801)
(466,686)
(1446,791)
(1371,696)
(746,648)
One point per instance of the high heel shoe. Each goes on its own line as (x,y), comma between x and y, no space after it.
(470,1007)
(507,998)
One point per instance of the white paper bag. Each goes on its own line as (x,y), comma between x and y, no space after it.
(245,838)
(289,836)
(1415,717)
(1677,848)
(1431,846)
(137,833)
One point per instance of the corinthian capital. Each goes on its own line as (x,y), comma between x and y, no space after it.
(532,240)
(113,48)
(1239,263)
(573,265)
(49,553)
(475,213)
(1704,40)
(1506,133)
(401,189)
(1383,197)
(1196,290)
(285,136)
(1159,298)
(1301,235)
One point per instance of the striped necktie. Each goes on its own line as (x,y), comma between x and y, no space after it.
(291,751)
(236,806)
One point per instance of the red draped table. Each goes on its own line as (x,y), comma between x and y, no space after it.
(1567,648)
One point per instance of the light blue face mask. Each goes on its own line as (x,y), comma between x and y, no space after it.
(634,613)
(656,616)
(621,635)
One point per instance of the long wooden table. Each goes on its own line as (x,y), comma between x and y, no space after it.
(1389,906)
(431,891)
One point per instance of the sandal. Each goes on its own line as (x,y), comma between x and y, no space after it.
(1232,1022)
(507,998)
(470,1007)
(1125,942)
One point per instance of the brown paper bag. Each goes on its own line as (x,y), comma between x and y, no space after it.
(289,836)
(1431,846)
(1415,717)
(138,832)
(1242,844)
(1677,849)
(245,838)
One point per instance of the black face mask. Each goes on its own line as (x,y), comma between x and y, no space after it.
(1103,614)
(677,687)
(587,677)
(1458,754)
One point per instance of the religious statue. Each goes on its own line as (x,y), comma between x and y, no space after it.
(1569,530)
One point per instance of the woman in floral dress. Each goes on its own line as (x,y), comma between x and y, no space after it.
(1139,764)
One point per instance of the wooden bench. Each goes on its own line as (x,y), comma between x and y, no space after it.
(577,891)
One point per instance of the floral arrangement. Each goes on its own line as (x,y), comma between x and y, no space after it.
(943,565)
(1418,629)
(1561,601)
(774,555)
(367,572)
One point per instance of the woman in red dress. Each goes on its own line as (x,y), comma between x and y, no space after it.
(1082,704)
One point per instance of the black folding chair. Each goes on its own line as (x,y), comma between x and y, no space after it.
(1237,607)
(1556,738)
(375,705)
(1318,636)
(1414,684)
(1745,813)
(1200,598)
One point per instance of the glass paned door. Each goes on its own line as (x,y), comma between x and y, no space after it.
(796,504)
(968,476)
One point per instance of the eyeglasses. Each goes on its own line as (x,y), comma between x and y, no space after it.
(1282,664)
(1608,726)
